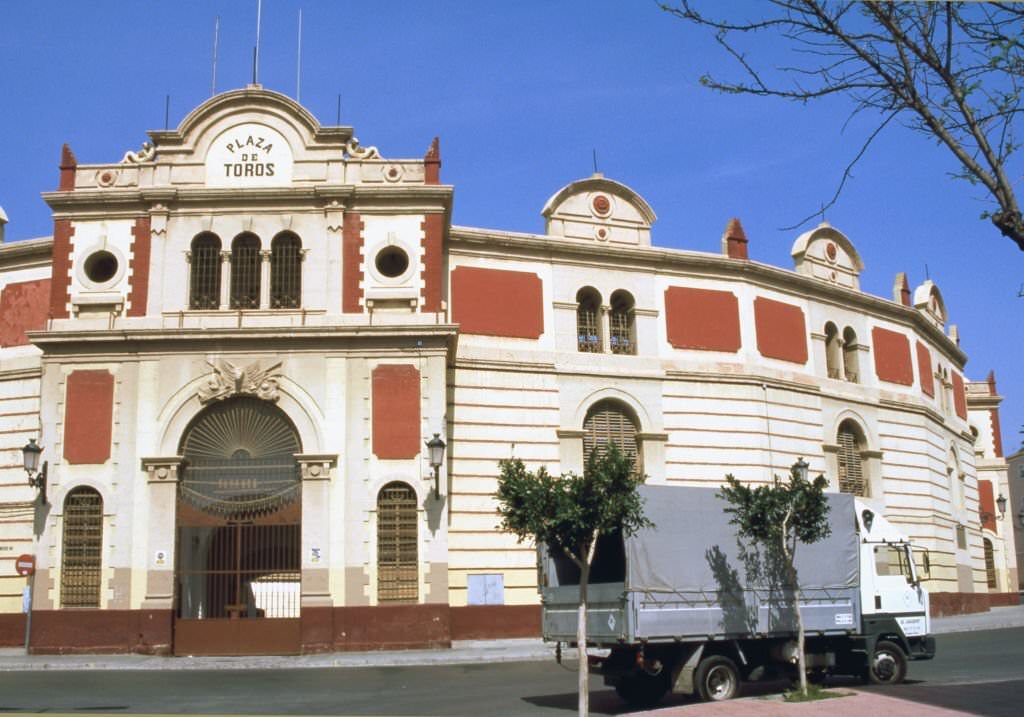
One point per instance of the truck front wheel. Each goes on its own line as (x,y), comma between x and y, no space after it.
(717,679)
(642,689)
(888,664)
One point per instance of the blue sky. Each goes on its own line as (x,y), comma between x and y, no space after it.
(521,94)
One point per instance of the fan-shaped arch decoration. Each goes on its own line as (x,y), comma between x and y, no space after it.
(240,460)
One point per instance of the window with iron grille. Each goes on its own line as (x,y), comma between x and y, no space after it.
(81,562)
(245,272)
(990,564)
(851,464)
(204,279)
(609,422)
(621,333)
(397,541)
(285,272)
(588,330)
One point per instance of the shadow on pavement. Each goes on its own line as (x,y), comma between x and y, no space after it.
(606,702)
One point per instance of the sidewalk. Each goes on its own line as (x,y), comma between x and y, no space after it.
(466,652)
(854,704)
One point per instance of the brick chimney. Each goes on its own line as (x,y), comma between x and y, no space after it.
(432,163)
(901,289)
(734,241)
(68,165)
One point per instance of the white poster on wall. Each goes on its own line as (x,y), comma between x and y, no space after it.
(249,155)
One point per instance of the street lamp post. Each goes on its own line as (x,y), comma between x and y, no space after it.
(436,448)
(30,458)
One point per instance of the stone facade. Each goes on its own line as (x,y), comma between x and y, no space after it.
(166,290)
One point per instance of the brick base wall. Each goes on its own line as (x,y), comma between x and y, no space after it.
(944,604)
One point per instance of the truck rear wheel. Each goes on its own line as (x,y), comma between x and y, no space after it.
(642,689)
(717,679)
(887,665)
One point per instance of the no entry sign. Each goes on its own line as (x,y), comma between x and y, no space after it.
(25,564)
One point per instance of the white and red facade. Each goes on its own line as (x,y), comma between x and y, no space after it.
(406,326)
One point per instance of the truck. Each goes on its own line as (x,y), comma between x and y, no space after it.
(686,607)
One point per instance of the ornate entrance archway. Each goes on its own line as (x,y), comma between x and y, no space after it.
(239,532)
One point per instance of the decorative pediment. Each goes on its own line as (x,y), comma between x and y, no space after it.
(599,209)
(827,254)
(228,380)
(928,300)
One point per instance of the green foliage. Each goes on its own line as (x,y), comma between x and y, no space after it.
(793,511)
(571,510)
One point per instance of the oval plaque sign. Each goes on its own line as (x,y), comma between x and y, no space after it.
(249,155)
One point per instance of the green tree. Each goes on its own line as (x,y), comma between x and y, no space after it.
(778,517)
(570,513)
(951,71)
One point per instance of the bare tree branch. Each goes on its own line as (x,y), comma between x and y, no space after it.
(953,72)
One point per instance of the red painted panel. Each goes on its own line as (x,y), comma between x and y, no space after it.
(23,307)
(494,302)
(702,319)
(60,287)
(959,397)
(987,505)
(66,632)
(139,265)
(892,356)
(396,411)
(924,369)
(433,261)
(781,332)
(88,415)
(351,258)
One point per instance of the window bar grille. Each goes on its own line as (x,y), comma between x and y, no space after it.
(851,473)
(397,540)
(621,338)
(81,565)
(245,273)
(589,337)
(205,280)
(286,273)
(607,425)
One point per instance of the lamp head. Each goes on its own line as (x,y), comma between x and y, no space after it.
(436,447)
(30,456)
(800,468)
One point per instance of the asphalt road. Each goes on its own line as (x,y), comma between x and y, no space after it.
(977,672)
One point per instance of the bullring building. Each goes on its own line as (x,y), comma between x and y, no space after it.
(272,383)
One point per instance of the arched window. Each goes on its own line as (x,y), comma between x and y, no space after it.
(397,541)
(852,478)
(990,564)
(851,371)
(82,550)
(610,422)
(286,272)
(621,333)
(245,272)
(204,276)
(588,326)
(832,350)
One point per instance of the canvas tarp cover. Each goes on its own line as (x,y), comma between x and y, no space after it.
(679,554)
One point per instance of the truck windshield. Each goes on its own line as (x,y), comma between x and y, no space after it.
(892,560)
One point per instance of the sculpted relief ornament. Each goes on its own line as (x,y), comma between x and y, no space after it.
(229,380)
(354,151)
(146,154)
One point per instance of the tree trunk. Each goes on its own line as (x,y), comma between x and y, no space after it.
(801,661)
(581,643)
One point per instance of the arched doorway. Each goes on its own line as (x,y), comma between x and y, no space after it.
(238,570)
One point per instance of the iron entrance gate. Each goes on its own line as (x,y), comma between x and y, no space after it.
(239,533)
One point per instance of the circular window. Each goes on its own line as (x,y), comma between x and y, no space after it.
(392,262)
(101,267)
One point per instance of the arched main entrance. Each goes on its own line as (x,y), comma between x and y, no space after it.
(239,532)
